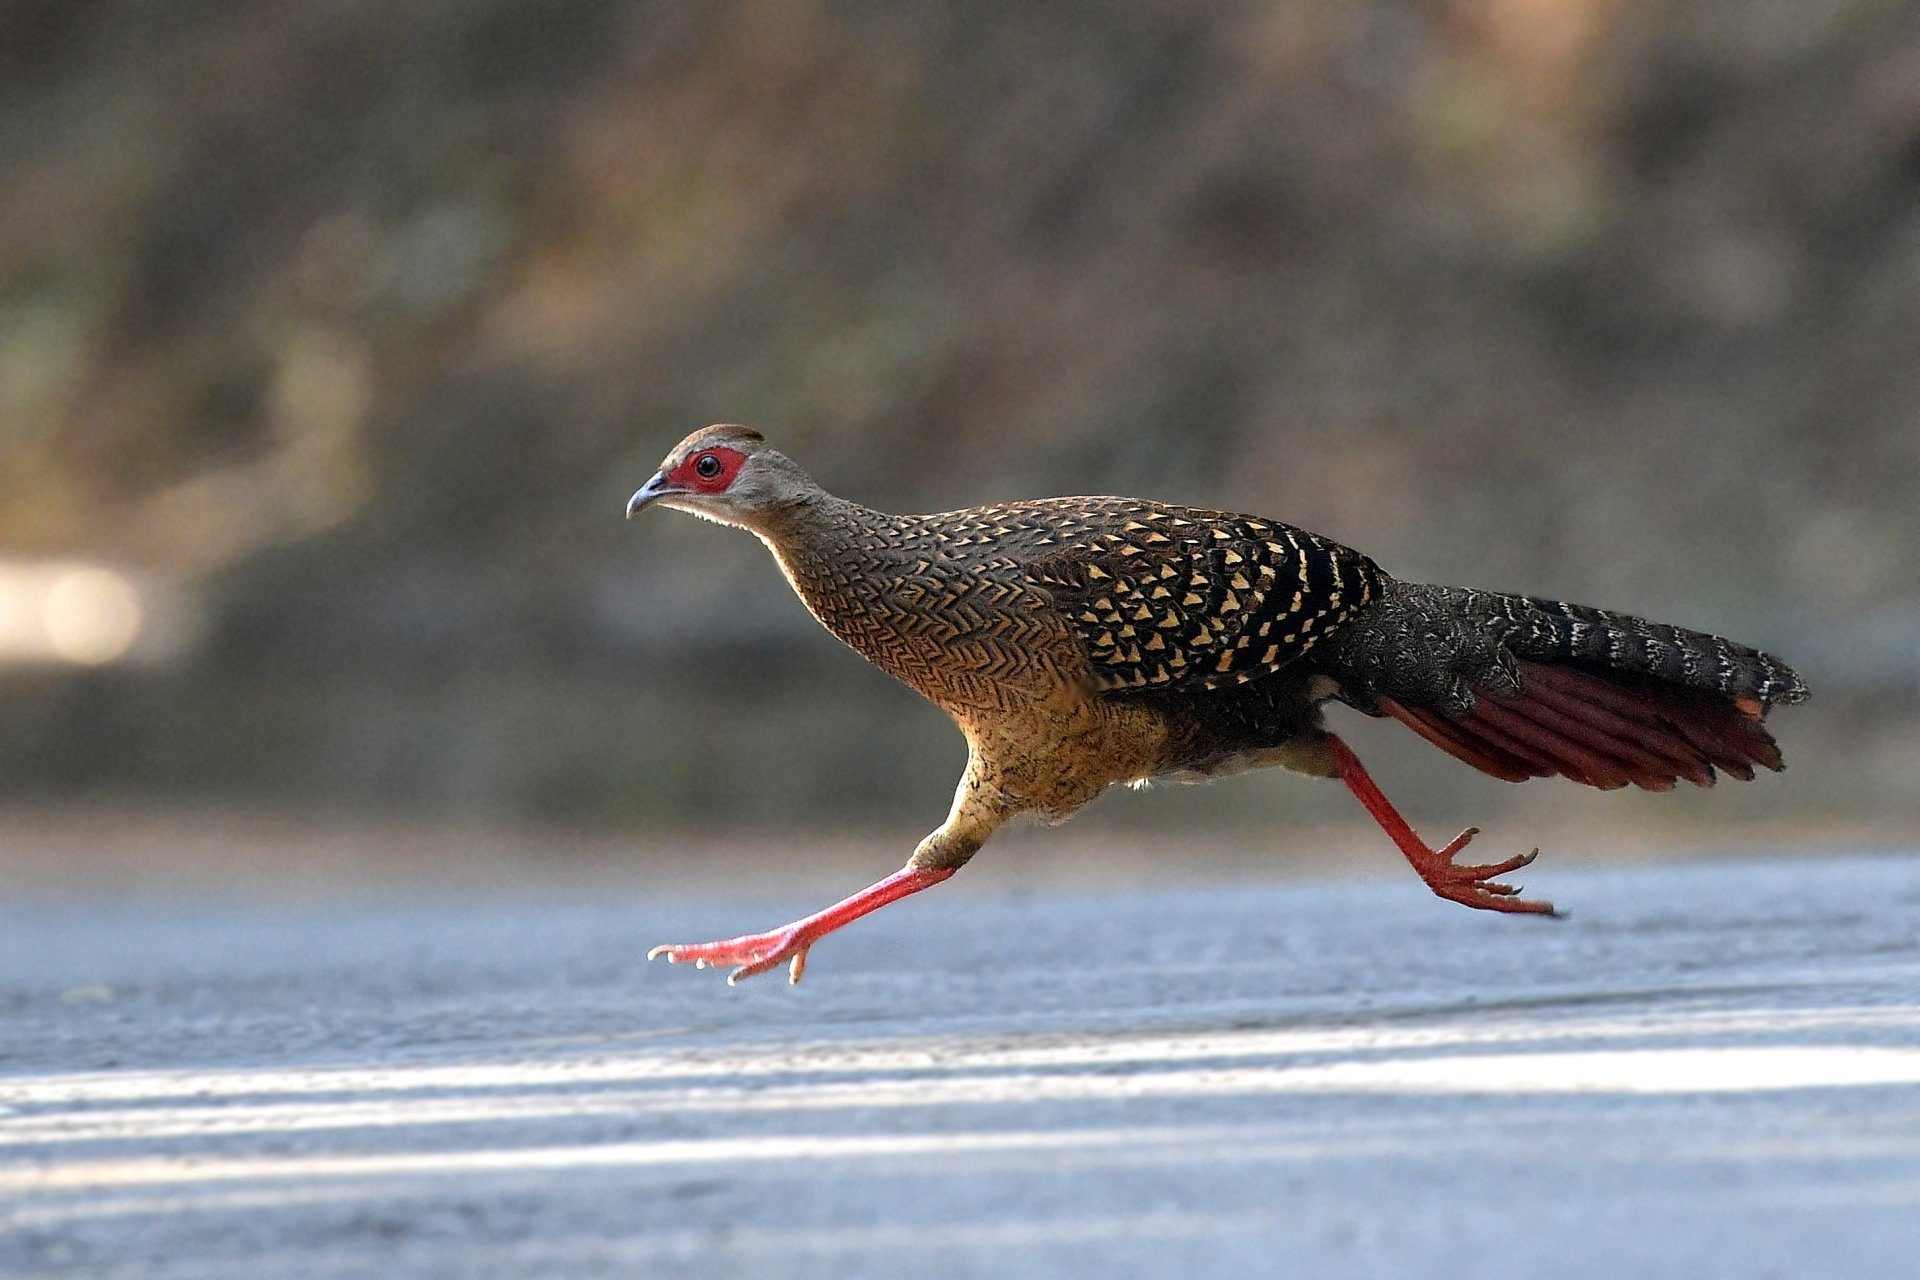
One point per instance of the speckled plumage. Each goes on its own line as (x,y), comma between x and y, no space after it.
(1080,642)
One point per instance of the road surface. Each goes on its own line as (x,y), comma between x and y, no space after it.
(1710,1070)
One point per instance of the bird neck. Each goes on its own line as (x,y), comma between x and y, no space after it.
(839,556)
(819,526)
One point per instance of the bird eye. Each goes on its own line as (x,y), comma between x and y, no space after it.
(706,466)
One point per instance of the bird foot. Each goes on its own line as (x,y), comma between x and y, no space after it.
(1470,886)
(1475,885)
(755,953)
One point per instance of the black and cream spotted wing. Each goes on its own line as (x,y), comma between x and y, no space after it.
(1175,598)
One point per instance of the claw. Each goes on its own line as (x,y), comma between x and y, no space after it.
(1474,884)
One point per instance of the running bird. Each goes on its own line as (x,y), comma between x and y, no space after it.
(1080,642)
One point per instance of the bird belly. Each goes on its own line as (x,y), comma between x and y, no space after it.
(1306,754)
(1260,725)
(1050,758)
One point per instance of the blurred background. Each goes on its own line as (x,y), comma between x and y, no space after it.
(334,336)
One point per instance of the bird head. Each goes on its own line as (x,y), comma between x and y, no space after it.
(727,473)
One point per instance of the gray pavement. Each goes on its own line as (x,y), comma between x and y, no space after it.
(1710,1070)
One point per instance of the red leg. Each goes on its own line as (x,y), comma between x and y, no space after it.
(758,952)
(1472,886)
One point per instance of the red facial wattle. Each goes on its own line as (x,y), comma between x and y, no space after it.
(698,472)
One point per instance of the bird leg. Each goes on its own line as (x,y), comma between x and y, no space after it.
(1470,885)
(756,953)
(978,810)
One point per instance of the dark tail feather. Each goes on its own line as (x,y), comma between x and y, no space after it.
(1612,645)
(1520,687)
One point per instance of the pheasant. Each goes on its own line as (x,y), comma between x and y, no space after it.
(1080,642)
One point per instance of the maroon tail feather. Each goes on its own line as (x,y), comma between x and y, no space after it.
(1604,731)
(1450,737)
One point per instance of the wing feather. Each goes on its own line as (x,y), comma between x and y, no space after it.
(1176,598)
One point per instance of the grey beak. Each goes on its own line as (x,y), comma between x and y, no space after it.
(654,488)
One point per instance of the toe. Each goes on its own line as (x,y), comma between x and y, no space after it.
(754,969)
